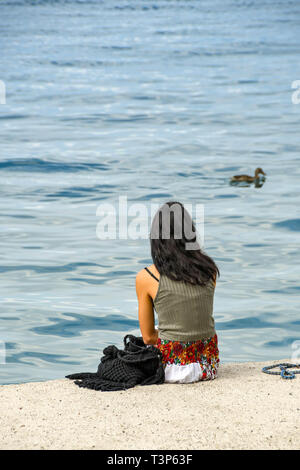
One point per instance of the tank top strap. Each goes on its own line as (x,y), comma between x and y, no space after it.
(151,274)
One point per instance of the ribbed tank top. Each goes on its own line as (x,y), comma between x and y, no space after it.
(185,311)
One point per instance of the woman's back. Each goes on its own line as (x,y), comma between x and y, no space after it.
(185,311)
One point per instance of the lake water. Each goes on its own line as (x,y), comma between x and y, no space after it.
(153,100)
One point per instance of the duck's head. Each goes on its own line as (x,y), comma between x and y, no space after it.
(259,171)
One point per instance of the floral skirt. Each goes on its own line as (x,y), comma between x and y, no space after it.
(191,361)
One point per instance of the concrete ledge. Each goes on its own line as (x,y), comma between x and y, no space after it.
(242,409)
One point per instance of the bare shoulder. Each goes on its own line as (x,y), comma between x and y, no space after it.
(142,283)
(141,276)
(154,270)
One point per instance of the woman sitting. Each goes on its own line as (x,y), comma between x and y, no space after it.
(179,286)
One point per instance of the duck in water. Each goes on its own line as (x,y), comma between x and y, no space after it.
(250,179)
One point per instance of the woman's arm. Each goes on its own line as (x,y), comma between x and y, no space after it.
(146,313)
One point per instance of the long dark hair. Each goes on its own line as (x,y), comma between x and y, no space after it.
(172,233)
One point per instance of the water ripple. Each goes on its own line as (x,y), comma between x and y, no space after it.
(77,324)
(36,165)
(290,224)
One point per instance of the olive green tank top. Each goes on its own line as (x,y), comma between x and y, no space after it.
(185,311)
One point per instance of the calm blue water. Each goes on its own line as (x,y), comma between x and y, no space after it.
(155,100)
